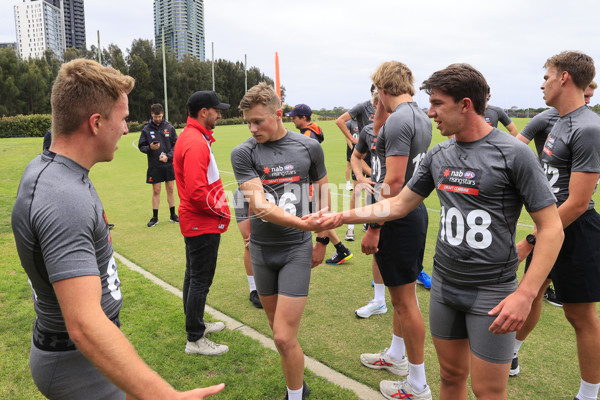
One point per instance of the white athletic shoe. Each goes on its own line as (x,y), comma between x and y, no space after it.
(384,361)
(205,347)
(402,390)
(349,186)
(372,308)
(212,327)
(349,235)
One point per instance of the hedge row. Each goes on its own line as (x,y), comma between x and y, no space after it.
(36,125)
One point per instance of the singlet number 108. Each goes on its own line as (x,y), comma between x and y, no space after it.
(477,235)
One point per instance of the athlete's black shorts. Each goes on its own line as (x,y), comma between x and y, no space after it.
(160,174)
(402,247)
(576,273)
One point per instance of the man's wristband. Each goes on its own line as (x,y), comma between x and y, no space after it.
(323,240)
(374,225)
(530,239)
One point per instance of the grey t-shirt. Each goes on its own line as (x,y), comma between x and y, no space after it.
(286,168)
(352,126)
(494,114)
(539,127)
(61,232)
(573,145)
(482,186)
(363,113)
(406,132)
(366,145)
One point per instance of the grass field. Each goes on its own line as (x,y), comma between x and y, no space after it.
(153,319)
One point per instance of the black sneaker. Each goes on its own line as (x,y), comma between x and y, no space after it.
(551,298)
(110,226)
(305,391)
(514,367)
(174,218)
(339,258)
(255,299)
(153,222)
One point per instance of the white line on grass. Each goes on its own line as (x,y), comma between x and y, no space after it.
(361,390)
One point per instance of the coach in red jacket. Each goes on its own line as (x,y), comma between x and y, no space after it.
(203,216)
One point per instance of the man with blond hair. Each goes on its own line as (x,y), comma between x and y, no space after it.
(571,159)
(78,351)
(399,244)
(274,169)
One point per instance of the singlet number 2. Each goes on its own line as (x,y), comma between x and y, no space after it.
(477,237)
(552,175)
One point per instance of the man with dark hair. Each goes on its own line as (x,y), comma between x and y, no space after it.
(61,233)
(571,160)
(204,216)
(158,141)
(482,178)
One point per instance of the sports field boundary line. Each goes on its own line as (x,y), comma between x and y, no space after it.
(363,391)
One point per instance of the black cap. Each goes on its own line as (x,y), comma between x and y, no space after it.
(205,99)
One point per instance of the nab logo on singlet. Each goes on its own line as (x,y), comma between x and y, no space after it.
(279,174)
(549,145)
(460,180)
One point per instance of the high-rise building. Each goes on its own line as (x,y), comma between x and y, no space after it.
(74,17)
(183,24)
(39,26)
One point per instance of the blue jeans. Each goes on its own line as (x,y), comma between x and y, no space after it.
(200,264)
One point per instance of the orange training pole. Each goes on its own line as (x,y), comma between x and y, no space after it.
(277,81)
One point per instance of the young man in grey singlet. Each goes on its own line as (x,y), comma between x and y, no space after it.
(571,160)
(66,250)
(482,177)
(538,130)
(494,114)
(274,169)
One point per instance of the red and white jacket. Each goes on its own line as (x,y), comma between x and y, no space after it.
(203,205)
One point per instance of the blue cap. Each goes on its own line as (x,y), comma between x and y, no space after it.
(300,109)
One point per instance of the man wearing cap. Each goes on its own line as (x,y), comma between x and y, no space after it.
(203,216)
(300,116)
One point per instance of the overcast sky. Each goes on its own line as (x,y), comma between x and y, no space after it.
(328,49)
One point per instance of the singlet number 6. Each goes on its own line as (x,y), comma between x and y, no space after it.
(477,237)
(286,201)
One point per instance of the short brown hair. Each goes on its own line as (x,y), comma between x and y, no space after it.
(157,109)
(460,81)
(260,94)
(593,85)
(395,78)
(579,66)
(82,88)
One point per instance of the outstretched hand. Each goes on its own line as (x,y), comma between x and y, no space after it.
(322,220)
(201,393)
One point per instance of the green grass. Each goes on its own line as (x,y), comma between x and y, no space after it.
(153,319)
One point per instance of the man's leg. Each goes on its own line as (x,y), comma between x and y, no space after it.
(284,315)
(155,195)
(342,253)
(170,186)
(454,357)
(377,304)
(489,380)
(408,324)
(244,227)
(584,319)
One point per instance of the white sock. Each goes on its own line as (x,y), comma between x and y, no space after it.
(379,291)
(518,344)
(397,350)
(416,377)
(350,226)
(294,394)
(347,182)
(588,391)
(251,283)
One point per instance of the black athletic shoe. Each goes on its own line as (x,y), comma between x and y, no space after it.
(174,218)
(514,367)
(255,299)
(551,298)
(339,258)
(110,226)
(305,391)
(153,222)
